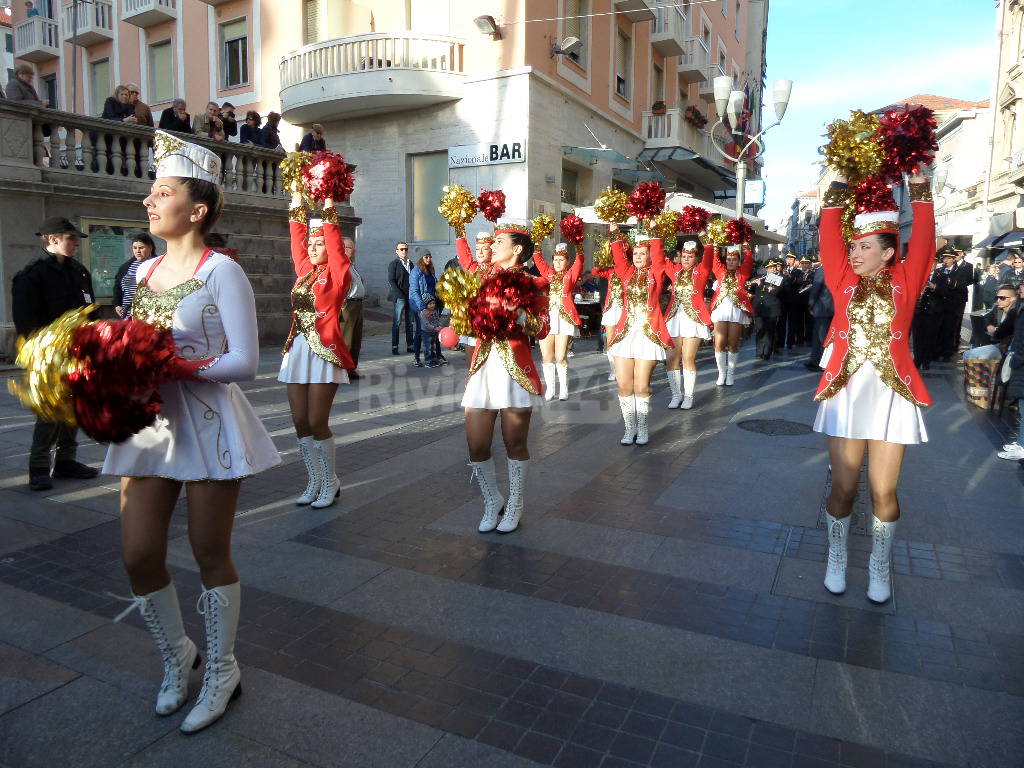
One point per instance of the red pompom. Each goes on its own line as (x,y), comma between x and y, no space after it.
(738,231)
(907,138)
(121,366)
(328,176)
(572,228)
(874,194)
(494,310)
(693,219)
(646,201)
(491,204)
(448,337)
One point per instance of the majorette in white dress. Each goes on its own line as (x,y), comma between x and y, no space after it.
(207,429)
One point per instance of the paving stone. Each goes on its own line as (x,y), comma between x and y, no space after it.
(24,677)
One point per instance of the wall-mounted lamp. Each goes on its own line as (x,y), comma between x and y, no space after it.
(571,46)
(488,26)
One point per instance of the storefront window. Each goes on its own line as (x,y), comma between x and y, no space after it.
(428,173)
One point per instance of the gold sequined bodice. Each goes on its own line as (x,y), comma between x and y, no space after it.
(158,309)
(682,296)
(615,290)
(305,315)
(555,296)
(637,295)
(729,286)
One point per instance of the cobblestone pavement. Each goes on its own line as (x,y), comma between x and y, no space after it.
(659,606)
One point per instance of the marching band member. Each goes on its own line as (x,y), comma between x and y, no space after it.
(640,338)
(611,312)
(207,437)
(316,359)
(730,309)
(687,317)
(871,393)
(564,320)
(474,261)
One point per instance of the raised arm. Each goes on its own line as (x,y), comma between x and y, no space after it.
(298,226)
(659,260)
(746,268)
(576,270)
(466,260)
(545,269)
(830,239)
(618,248)
(921,251)
(704,268)
(338,261)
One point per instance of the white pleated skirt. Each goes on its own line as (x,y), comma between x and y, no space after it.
(636,346)
(206,431)
(492,389)
(560,326)
(682,326)
(866,409)
(612,316)
(727,312)
(301,365)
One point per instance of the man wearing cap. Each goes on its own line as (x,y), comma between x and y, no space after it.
(43,291)
(398,294)
(768,296)
(963,276)
(947,306)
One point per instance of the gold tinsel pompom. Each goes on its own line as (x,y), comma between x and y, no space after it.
(715,232)
(43,385)
(610,206)
(541,228)
(663,225)
(458,205)
(853,149)
(292,167)
(457,288)
(603,252)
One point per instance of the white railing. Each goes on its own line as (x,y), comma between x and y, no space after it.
(668,20)
(132,7)
(36,33)
(372,52)
(695,55)
(95,15)
(1016,160)
(672,129)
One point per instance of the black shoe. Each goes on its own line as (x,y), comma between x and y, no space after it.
(433,364)
(411,349)
(812,366)
(39,480)
(75,470)
(353,375)
(394,351)
(418,364)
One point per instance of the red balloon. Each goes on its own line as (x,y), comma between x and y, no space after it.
(448,337)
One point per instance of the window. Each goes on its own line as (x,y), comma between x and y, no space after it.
(9,42)
(234,46)
(570,186)
(428,173)
(311,21)
(49,89)
(161,72)
(705,35)
(657,84)
(99,84)
(725,8)
(577,27)
(623,61)
(721,59)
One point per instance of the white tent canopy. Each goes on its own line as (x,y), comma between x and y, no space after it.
(968,223)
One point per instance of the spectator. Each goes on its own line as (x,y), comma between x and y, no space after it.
(119,107)
(175,118)
(1001,319)
(986,281)
(822,308)
(398,294)
(209,124)
(1012,272)
(250,131)
(1015,386)
(143,249)
(227,116)
(143,114)
(421,283)
(352,312)
(30,10)
(42,292)
(269,136)
(314,140)
(20,88)
(431,323)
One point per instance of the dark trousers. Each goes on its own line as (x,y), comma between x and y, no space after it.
(430,345)
(957,329)
(764,333)
(794,324)
(47,434)
(352,328)
(402,308)
(923,336)
(948,331)
(819,327)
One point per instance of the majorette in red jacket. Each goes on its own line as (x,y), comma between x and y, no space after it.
(329,285)
(566,285)
(695,278)
(614,293)
(737,291)
(902,282)
(467,259)
(625,271)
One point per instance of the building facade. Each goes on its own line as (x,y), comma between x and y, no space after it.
(802,228)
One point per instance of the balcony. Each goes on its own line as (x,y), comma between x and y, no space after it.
(36,39)
(634,10)
(668,31)
(693,62)
(707,86)
(95,22)
(370,74)
(149,13)
(676,146)
(215,2)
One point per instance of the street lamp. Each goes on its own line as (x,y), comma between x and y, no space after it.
(729,103)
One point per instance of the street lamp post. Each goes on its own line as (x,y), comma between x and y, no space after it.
(730,105)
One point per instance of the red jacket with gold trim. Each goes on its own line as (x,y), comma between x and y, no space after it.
(743,274)
(701,275)
(569,280)
(625,270)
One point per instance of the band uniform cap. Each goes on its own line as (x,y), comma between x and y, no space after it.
(807,259)
(316,227)
(876,222)
(774,262)
(484,237)
(734,248)
(561,248)
(522,226)
(175,157)
(690,246)
(58,225)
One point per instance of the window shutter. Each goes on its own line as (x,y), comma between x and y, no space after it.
(312,21)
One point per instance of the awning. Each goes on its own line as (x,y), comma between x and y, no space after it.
(988,242)
(592,155)
(690,165)
(968,223)
(636,175)
(1012,240)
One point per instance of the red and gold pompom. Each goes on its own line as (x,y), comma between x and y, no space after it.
(328,176)
(739,231)
(874,194)
(491,204)
(694,219)
(646,201)
(907,138)
(572,228)
(494,310)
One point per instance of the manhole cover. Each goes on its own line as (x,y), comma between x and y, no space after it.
(775,427)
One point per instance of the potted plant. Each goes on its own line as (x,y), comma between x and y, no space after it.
(694,116)
(658,107)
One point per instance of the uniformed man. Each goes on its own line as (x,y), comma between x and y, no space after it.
(768,296)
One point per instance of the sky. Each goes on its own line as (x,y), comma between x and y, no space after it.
(863,54)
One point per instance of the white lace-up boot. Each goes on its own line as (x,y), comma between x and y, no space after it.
(835,570)
(675,383)
(643,407)
(516,489)
(222,680)
(563,381)
(162,614)
(330,485)
(628,406)
(689,382)
(548,370)
(879,571)
(730,367)
(720,360)
(309,452)
(494,502)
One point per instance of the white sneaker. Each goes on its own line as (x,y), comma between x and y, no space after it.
(1012,452)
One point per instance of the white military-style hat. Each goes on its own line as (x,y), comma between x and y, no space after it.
(690,246)
(561,247)
(732,248)
(174,157)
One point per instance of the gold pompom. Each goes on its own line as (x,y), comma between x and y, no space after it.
(44,356)
(292,167)
(853,150)
(610,206)
(715,232)
(541,228)
(456,288)
(458,206)
(663,225)
(603,252)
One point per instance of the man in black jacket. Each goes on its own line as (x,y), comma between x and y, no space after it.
(822,308)
(398,293)
(768,298)
(963,277)
(41,292)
